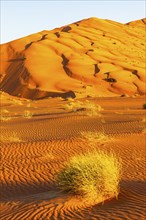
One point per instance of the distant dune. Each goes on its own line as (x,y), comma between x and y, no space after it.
(89,58)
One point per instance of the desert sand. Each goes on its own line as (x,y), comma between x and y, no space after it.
(97,63)
(91,57)
(34,147)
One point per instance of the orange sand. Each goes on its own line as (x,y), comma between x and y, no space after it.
(34,149)
(93,60)
(92,57)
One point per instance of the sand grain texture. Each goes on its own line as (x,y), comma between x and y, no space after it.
(92,57)
(99,63)
(34,149)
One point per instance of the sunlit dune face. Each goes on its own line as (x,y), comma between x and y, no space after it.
(103,54)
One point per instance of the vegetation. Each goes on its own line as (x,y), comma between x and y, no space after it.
(89,108)
(27,114)
(4,115)
(11,138)
(95,137)
(5,118)
(94,175)
(144,106)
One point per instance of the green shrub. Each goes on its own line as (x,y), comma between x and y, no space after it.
(144,105)
(94,175)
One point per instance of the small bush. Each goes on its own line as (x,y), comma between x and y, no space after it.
(5,118)
(73,106)
(13,138)
(94,175)
(89,108)
(93,138)
(27,114)
(144,106)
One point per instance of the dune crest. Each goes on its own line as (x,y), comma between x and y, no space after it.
(92,57)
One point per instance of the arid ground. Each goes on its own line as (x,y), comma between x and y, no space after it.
(38,137)
(88,76)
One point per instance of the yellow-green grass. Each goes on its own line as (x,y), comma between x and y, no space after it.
(12,138)
(27,114)
(93,175)
(5,118)
(89,108)
(94,138)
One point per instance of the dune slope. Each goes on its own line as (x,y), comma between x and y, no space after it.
(92,57)
(34,149)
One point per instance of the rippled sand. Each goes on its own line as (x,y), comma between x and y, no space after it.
(92,57)
(35,147)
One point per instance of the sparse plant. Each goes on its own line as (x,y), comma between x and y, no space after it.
(4,115)
(94,175)
(73,106)
(92,138)
(27,114)
(70,99)
(144,106)
(11,138)
(18,102)
(5,118)
(89,108)
(92,109)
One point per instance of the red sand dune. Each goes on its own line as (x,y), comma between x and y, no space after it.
(92,57)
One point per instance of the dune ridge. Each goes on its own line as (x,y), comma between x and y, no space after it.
(91,57)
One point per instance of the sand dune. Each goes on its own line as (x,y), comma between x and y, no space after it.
(92,57)
(101,65)
(34,149)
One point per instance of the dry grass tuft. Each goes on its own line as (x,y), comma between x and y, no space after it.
(13,138)
(93,138)
(27,114)
(89,108)
(94,175)
(73,106)
(4,115)
(17,102)
(5,118)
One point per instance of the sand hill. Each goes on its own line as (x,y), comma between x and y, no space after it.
(92,57)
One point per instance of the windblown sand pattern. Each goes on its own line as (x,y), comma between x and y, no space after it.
(102,64)
(34,149)
(92,57)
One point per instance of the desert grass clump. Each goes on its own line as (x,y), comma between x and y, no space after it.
(73,106)
(4,118)
(93,138)
(89,108)
(92,109)
(94,175)
(144,106)
(13,138)
(27,114)
(17,102)
(4,115)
